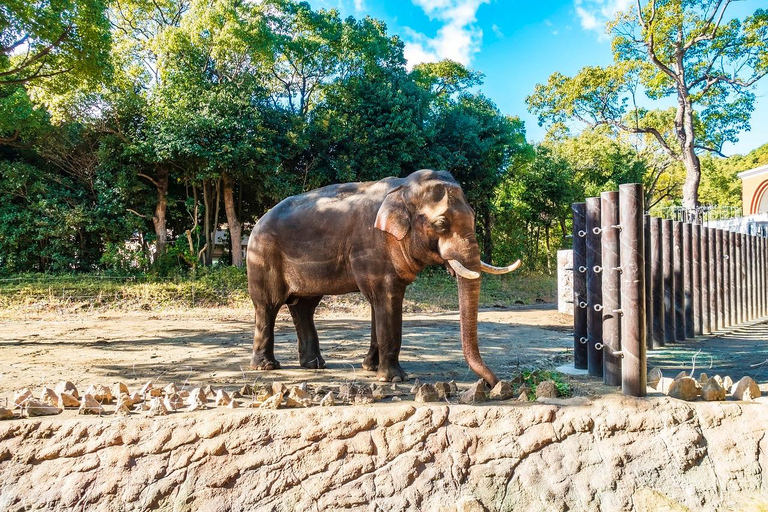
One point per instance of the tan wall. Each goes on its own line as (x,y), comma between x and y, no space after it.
(749,187)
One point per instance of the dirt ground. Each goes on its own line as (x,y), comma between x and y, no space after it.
(212,346)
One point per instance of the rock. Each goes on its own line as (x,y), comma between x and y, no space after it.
(184,393)
(89,405)
(684,388)
(298,397)
(746,389)
(222,398)
(304,387)
(125,399)
(5,414)
(664,384)
(454,387)
(157,407)
(475,394)
(236,394)
(502,391)
(719,380)
(426,393)
(681,375)
(49,396)
(262,394)
(38,408)
(196,406)
(122,409)
(67,400)
(524,389)
(443,390)
(347,391)
(278,388)
(522,397)
(21,397)
(712,391)
(363,398)
(273,402)
(100,393)
(469,504)
(197,395)
(415,387)
(234,404)
(209,391)
(396,399)
(394,388)
(377,391)
(173,402)
(703,378)
(546,389)
(246,390)
(727,383)
(118,388)
(171,389)
(66,387)
(328,400)
(148,390)
(654,376)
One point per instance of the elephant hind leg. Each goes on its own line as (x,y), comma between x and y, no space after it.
(303,313)
(264,338)
(371,361)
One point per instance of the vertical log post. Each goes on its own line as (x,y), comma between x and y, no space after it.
(649,313)
(696,245)
(677,233)
(705,286)
(609,217)
(739,285)
(688,279)
(669,281)
(752,280)
(579,285)
(594,289)
(713,297)
(730,278)
(722,305)
(634,367)
(657,278)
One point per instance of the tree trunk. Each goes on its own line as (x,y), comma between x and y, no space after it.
(159,219)
(235,228)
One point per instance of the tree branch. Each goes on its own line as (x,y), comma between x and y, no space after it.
(137,213)
(151,179)
(711,150)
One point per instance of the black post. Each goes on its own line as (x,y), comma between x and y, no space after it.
(579,285)
(688,279)
(722,316)
(696,245)
(670,325)
(649,313)
(705,270)
(609,217)
(594,289)
(714,302)
(739,278)
(634,367)
(677,233)
(657,270)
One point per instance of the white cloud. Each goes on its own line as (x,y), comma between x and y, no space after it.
(497,31)
(459,38)
(594,14)
(359,5)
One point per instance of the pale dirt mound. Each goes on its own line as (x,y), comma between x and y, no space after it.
(614,453)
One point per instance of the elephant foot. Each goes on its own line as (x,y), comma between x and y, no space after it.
(313,363)
(371,363)
(262,363)
(391,374)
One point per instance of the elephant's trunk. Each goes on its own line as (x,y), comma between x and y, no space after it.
(469,299)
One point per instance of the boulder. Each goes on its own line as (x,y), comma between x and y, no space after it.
(681,375)
(703,378)
(100,392)
(122,409)
(197,395)
(21,397)
(719,380)
(415,387)
(262,394)
(157,407)
(546,389)
(38,408)
(171,389)
(347,391)
(89,405)
(196,406)
(67,400)
(454,387)
(173,402)
(273,402)
(328,400)
(148,390)
(712,391)
(727,383)
(222,398)
(233,404)
(246,390)
(664,384)
(298,397)
(49,396)
(443,390)
(684,388)
(426,393)
(5,414)
(66,387)
(125,399)
(118,388)
(377,391)
(475,394)
(502,391)
(279,387)
(746,389)
(654,376)
(209,391)
(237,394)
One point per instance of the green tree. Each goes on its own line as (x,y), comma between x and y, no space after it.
(686,49)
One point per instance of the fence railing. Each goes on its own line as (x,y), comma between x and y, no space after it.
(641,282)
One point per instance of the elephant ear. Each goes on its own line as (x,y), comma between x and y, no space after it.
(393,216)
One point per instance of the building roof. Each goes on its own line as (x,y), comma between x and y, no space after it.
(753,172)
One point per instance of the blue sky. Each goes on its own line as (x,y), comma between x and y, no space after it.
(519,43)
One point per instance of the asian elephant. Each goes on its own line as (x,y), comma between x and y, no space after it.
(373,237)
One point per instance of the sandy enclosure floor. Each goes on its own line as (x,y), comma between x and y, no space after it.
(213,347)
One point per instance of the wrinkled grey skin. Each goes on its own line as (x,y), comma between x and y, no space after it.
(372,237)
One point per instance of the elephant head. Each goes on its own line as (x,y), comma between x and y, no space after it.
(433,223)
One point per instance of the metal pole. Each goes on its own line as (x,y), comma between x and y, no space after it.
(634,367)
(579,285)
(609,217)
(657,278)
(688,280)
(705,270)
(649,312)
(713,274)
(677,233)
(594,289)
(696,245)
(670,325)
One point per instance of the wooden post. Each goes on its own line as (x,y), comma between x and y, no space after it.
(696,253)
(719,261)
(579,285)
(714,302)
(634,367)
(609,217)
(730,278)
(739,285)
(594,289)
(649,313)
(752,280)
(705,285)
(670,325)
(688,280)
(657,278)
(677,233)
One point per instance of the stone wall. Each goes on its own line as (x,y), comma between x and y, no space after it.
(565,281)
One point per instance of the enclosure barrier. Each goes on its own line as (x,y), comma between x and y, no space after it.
(641,283)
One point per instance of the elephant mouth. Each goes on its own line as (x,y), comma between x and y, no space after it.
(461,270)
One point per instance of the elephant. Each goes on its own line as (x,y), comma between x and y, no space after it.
(373,237)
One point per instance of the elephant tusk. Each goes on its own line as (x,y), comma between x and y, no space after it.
(462,270)
(490,269)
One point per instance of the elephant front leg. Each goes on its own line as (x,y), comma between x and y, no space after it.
(371,361)
(303,314)
(388,311)
(264,339)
